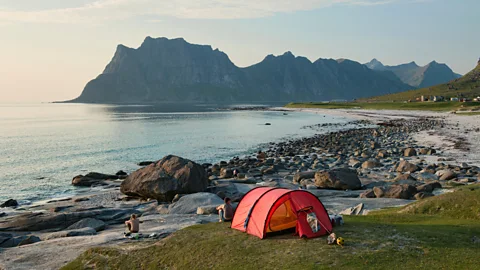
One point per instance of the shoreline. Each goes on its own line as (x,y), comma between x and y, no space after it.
(280,173)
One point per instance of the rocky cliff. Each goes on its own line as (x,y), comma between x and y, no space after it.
(173,70)
(432,74)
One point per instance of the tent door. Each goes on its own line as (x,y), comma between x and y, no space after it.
(308,225)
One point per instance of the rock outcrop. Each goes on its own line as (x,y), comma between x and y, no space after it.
(164,179)
(341,179)
(176,71)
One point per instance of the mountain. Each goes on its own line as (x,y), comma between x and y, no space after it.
(465,86)
(173,70)
(432,74)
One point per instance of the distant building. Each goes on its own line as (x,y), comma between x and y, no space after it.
(454,99)
(422,99)
(464,100)
(438,98)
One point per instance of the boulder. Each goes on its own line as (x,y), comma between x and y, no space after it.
(188,204)
(207,210)
(446,175)
(145,163)
(165,178)
(410,152)
(226,173)
(9,203)
(91,178)
(369,164)
(303,175)
(8,240)
(425,176)
(405,166)
(423,195)
(429,187)
(121,173)
(368,194)
(340,179)
(395,191)
(96,224)
(353,211)
(71,233)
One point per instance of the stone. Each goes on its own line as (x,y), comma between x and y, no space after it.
(303,175)
(121,173)
(226,173)
(96,224)
(207,210)
(369,164)
(423,195)
(353,211)
(429,187)
(341,179)
(405,166)
(395,191)
(145,163)
(165,178)
(92,178)
(368,194)
(425,176)
(163,209)
(221,194)
(446,175)
(71,233)
(9,203)
(2,214)
(403,177)
(188,204)
(410,152)
(82,199)
(16,241)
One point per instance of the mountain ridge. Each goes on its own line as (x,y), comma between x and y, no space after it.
(173,70)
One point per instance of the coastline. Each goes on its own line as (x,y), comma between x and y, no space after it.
(46,253)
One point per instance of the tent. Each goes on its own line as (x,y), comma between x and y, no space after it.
(265,209)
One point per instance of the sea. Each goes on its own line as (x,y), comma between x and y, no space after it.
(43,146)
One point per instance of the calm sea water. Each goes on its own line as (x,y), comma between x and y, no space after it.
(43,146)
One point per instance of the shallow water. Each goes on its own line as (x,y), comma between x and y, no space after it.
(43,146)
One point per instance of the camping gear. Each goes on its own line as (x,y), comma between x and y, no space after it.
(266,209)
(337,220)
(332,239)
(340,241)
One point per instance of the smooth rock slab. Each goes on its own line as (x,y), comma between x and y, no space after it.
(16,241)
(188,204)
(71,233)
(96,224)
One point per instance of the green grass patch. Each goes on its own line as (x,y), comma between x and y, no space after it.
(427,237)
(422,106)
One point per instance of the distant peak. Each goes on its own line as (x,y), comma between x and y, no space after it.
(289,54)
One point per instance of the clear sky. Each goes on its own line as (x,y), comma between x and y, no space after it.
(49,49)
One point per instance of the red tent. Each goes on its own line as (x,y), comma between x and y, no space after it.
(266,209)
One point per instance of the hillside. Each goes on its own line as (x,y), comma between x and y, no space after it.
(467,86)
(432,74)
(173,70)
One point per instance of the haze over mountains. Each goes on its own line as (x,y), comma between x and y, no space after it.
(173,70)
(432,74)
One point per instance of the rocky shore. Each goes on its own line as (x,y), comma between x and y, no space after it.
(381,163)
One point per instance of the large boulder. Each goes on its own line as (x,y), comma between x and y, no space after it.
(91,179)
(405,166)
(189,204)
(429,187)
(395,191)
(96,224)
(369,164)
(226,173)
(9,203)
(340,179)
(162,180)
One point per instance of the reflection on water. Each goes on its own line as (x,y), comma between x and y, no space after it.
(43,146)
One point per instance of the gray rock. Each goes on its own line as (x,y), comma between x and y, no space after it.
(96,224)
(9,203)
(369,164)
(425,176)
(446,175)
(71,233)
(165,178)
(368,194)
(340,179)
(226,173)
(303,175)
(16,241)
(188,204)
(423,195)
(92,178)
(429,187)
(353,211)
(395,191)
(405,166)
(410,152)
(207,210)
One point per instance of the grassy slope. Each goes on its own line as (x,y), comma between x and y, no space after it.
(427,106)
(385,239)
(468,85)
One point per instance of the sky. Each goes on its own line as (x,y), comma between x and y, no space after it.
(49,49)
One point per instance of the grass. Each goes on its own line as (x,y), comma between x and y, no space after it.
(423,106)
(423,236)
